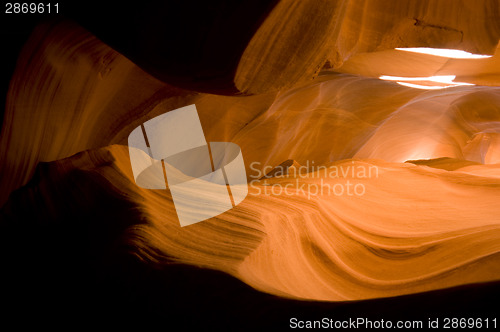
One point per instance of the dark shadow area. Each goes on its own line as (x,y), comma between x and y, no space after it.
(192,44)
(15,30)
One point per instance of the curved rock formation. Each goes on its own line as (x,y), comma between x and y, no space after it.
(388,190)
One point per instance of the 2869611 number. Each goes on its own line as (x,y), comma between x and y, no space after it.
(31,8)
(462,323)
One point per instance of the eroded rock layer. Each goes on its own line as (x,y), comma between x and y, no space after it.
(397,190)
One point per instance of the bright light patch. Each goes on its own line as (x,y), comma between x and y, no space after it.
(440,79)
(428,83)
(434,82)
(444,52)
(423,87)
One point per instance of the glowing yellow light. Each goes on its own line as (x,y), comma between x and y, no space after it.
(445,52)
(423,87)
(446,81)
(440,79)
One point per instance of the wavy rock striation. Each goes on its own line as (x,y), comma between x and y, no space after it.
(356,222)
